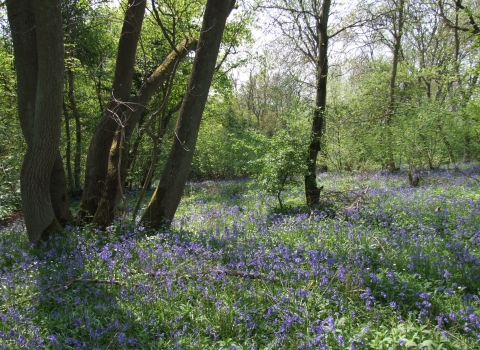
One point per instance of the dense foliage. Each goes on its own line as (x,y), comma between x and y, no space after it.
(398,268)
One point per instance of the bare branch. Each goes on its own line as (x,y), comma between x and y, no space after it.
(459,5)
(169,36)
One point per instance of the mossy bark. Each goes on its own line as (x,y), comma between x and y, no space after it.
(99,150)
(110,199)
(107,207)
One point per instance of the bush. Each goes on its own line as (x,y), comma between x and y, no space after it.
(283,163)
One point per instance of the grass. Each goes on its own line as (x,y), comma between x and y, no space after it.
(399,270)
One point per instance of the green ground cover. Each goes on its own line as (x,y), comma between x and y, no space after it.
(380,265)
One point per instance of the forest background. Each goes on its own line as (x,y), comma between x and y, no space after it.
(299,87)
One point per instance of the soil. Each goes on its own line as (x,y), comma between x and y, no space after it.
(11,218)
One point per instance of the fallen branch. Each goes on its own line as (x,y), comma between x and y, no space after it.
(62,286)
(466,175)
(251,275)
(351,199)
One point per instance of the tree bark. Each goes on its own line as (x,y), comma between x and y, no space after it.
(110,197)
(133,151)
(390,111)
(312,191)
(68,150)
(157,147)
(59,191)
(101,143)
(37,35)
(76,185)
(166,198)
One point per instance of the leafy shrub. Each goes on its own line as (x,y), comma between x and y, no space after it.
(224,153)
(283,163)
(9,186)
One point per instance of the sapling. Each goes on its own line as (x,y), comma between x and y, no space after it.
(283,164)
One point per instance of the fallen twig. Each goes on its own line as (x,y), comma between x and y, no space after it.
(62,286)
(466,175)
(251,275)
(352,198)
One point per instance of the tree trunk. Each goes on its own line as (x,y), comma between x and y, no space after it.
(110,197)
(76,186)
(59,191)
(390,111)
(312,191)
(133,151)
(101,143)
(157,147)
(68,151)
(166,198)
(37,35)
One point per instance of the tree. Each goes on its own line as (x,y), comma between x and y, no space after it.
(387,21)
(99,150)
(87,43)
(165,200)
(397,23)
(37,36)
(117,162)
(461,18)
(305,25)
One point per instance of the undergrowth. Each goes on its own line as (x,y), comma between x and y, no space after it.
(400,269)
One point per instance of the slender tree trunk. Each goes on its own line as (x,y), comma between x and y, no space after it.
(390,111)
(101,143)
(166,198)
(157,147)
(76,185)
(466,136)
(133,152)
(312,191)
(38,47)
(110,197)
(68,150)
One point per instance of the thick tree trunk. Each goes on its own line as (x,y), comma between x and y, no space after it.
(22,20)
(101,143)
(110,197)
(312,191)
(38,46)
(166,198)
(59,191)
